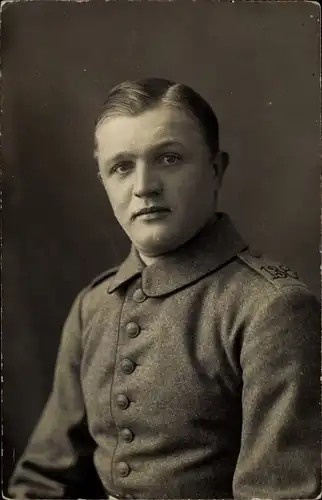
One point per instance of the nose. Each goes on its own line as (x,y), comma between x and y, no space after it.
(147,181)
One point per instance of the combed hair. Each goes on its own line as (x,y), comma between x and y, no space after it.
(130,98)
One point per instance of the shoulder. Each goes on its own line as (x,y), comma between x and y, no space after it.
(275,306)
(271,301)
(94,295)
(266,271)
(102,277)
(264,283)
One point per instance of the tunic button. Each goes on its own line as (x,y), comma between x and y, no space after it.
(132,329)
(127,366)
(127,435)
(122,401)
(139,295)
(123,469)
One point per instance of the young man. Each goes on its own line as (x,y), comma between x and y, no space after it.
(192,370)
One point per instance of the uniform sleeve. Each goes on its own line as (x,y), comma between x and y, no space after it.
(58,460)
(280,455)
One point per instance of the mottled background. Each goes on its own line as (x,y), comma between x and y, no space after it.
(256,63)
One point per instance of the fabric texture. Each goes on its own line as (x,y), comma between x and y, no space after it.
(195,377)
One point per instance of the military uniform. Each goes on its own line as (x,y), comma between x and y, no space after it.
(195,377)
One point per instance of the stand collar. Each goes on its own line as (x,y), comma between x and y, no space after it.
(210,249)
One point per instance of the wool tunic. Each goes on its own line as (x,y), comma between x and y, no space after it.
(195,377)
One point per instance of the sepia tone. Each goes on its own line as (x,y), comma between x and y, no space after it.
(257,64)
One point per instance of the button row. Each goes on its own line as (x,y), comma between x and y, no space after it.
(128,367)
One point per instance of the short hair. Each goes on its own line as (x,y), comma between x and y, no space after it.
(131,98)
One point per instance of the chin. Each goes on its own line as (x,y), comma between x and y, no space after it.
(165,239)
(157,245)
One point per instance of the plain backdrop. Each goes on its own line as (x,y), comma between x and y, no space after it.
(257,63)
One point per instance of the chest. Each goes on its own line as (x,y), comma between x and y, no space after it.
(175,353)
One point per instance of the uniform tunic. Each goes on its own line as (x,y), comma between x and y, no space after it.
(195,377)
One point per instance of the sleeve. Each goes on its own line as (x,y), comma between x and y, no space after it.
(280,454)
(58,460)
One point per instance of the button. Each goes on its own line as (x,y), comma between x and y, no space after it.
(127,435)
(122,401)
(123,469)
(139,295)
(127,366)
(132,329)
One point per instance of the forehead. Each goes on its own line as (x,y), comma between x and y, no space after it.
(161,124)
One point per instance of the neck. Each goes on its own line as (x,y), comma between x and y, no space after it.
(148,260)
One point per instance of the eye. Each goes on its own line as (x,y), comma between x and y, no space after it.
(122,168)
(170,158)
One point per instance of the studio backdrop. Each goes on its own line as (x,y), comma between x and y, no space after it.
(256,63)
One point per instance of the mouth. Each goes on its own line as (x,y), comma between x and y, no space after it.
(151,212)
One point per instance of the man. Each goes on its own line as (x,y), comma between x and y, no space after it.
(192,370)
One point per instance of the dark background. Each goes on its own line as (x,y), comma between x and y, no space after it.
(256,63)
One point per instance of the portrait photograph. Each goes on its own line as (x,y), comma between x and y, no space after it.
(161,266)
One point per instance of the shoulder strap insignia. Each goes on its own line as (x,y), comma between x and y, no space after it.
(279,275)
(101,277)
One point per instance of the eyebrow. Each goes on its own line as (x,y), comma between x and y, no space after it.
(153,149)
(167,143)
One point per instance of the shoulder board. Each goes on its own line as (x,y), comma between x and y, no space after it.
(101,277)
(279,275)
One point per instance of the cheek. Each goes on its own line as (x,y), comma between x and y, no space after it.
(117,193)
(194,185)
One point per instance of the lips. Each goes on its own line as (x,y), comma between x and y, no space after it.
(150,210)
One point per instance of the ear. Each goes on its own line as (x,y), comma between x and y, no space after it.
(220,163)
(99,176)
(98,173)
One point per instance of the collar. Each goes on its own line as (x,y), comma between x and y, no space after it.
(210,249)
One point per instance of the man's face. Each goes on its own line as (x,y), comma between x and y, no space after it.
(159,177)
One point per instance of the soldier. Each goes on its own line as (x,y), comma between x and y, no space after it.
(192,369)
